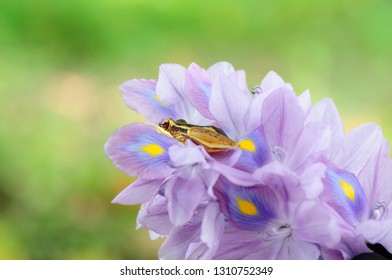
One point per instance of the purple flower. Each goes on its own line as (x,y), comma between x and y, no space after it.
(376,178)
(166,167)
(294,185)
(354,193)
(285,225)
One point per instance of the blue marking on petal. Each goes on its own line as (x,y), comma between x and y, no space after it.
(345,194)
(248,208)
(138,150)
(251,159)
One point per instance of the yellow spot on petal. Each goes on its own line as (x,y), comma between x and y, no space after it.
(152,149)
(348,189)
(247,145)
(246,207)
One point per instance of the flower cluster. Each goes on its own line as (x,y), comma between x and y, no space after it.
(293,186)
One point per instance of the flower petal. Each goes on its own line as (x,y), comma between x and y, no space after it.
(176,245)
(253,116)
(186,155)
(331,254)
(228,157)
(171,90)
(154,216)
(237,244)
(140,96)
(269,84)
(247,208)
(196,251)
(198,89)
(282,119)
(377,232)
(154,235)
(184,196)
(376,177)
(273,81)
(140,151)
(235,175)
(255,151)
(325,112)
(269,250)
(220,68)
(229,105)
(344,193)
(311,180)
(313,142)
(138,192)
(315,223)
(298,249)
(212,226)
(209,178)
(305,101)
(170,86)
(351,243)
(239,77)
(282,181)
(359,145)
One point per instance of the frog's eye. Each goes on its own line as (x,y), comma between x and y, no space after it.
(164,124)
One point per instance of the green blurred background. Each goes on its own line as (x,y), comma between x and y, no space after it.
(61,63)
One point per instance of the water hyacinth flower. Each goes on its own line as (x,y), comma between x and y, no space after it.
(228,172)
